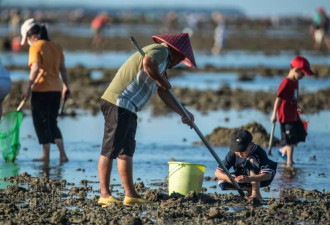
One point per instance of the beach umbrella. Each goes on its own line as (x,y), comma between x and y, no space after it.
(9,129)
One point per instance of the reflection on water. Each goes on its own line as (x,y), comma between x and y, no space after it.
(46,170)
(7,169)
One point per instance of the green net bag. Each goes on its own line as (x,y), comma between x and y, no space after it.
(9,135)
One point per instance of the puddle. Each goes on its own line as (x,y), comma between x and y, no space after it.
(96,75)
(232,209)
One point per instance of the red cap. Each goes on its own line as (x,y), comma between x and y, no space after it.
(180,42)
(302,64)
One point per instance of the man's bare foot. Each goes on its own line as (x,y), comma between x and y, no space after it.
(42,159)
(64,159)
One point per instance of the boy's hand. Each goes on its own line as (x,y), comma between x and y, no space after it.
(273,118)
(242,179)
(185,120)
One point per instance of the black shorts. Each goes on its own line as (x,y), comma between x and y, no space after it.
(119,130)
(45,106)
(228,186)
(292,133)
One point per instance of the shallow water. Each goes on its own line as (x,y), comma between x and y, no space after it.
(237,58)
(161,138)
(126,30)
(214,81)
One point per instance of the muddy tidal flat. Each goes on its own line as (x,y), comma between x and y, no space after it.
(33,200)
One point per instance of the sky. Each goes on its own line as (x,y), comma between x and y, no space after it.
(257,8)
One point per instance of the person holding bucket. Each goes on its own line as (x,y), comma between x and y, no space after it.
(46,56)
(131,89)
(253,168)
(286,107)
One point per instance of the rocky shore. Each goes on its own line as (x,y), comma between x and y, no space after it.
(203,101)
(33,200)
(220,136)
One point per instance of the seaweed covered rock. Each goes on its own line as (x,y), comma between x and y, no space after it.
(221,135)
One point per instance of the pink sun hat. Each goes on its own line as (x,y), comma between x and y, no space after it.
(180,42)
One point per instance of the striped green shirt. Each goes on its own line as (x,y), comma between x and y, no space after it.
(132,88)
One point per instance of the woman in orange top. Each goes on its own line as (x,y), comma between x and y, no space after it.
(46,56)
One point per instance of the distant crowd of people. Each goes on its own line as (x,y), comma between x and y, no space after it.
(172,23)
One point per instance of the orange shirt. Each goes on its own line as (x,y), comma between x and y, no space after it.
(99,21)
(50,56)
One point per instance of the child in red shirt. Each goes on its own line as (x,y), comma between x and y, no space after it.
(286,107)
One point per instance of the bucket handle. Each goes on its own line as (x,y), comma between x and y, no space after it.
(172,171)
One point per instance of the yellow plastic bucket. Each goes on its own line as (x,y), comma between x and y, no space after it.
(185,177)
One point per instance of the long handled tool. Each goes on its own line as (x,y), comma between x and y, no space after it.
(62,108)
(63,104)
(270,145)
(193,125)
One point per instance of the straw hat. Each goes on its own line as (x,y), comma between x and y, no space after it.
(180,42)
(26,26)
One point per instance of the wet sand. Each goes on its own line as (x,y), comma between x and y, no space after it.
(45,201)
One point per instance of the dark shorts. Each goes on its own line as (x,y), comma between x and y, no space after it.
(228,186)
(292,133)
(45,106)
(119,130)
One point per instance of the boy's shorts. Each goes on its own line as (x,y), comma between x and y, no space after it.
(119,130)
(228,186)
(292,133)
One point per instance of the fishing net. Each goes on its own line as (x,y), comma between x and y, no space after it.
(9,135)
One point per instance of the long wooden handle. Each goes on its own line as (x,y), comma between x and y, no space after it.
(208,145)
(199,133)
(270,145)
(36,80)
